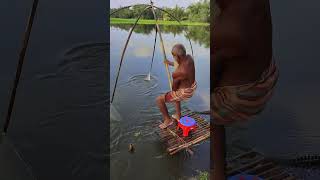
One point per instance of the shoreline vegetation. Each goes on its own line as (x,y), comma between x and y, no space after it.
(152,21)
(196,14)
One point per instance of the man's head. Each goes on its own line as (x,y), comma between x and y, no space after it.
(178,52)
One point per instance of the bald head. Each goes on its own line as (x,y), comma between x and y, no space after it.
(179,50)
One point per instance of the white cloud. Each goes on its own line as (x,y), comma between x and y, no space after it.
(142,52)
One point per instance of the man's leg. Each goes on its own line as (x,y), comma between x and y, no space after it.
(177,115)
(219,164)
(163,109)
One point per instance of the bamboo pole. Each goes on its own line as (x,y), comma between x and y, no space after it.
(186,145)
(261,168)
(162,46)
(269,172)
(175,135)
(124,50)
(281,175)
(179,23)
(154,48)
(247,153)
(206,135)
(20,63)
(245,166)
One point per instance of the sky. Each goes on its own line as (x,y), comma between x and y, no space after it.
(160,3)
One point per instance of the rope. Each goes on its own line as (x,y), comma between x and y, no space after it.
(179,23)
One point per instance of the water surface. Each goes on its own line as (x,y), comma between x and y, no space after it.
(59,123)
(134,112)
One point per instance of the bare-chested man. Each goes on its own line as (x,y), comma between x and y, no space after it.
(243,72)
(183,85)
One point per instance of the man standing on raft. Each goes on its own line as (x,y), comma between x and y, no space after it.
(183,85)
(243,71)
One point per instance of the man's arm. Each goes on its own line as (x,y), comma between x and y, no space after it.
(168,62)
(216,69)
(180,75)
(177,78)
(175,84)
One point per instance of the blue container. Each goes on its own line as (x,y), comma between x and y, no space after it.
(244,177)
(187,121)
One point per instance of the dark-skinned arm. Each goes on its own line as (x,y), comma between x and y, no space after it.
(168,62)
(216,69)
(175,85)
(177,77)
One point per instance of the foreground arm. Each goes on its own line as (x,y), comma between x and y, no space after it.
(168,62)
(216,69)
(177,78)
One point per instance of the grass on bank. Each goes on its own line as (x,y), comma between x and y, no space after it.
(149,21)
(203,175)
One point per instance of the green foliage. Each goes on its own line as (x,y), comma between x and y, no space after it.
(196,12)
(203,175)
(152,21)
(199,34)
(199,11)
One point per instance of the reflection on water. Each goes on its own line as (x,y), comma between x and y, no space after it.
(135,110)
(199,34)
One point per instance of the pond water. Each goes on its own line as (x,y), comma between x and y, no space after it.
(134,112)
(60,115)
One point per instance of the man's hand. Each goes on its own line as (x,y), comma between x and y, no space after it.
(166,61)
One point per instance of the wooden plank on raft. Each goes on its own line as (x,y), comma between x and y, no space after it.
(174,140)
(253,163)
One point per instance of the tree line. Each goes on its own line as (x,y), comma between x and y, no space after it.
(199,34)
(196,12)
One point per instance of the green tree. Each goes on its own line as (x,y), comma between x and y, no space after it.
(199,11)
(196,12)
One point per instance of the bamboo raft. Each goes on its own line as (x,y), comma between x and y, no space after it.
(254,163)
(247,161)
(174,140)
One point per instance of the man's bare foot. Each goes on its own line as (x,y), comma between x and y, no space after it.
(176,117)
(166,123)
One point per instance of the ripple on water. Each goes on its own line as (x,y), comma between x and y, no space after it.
(142,84)
(115,128)
(81,58)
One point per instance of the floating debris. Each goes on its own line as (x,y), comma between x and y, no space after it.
(131,148)
(136,134)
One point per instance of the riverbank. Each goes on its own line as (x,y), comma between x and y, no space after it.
(149,21)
